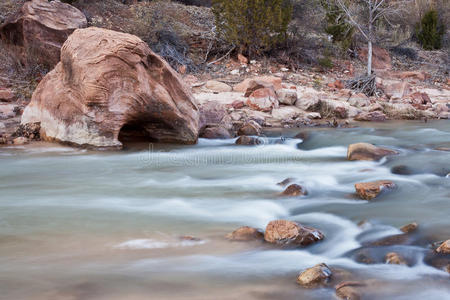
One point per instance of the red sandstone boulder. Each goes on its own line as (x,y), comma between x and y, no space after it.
(40,29)
(110,85)
(263,99)
(381,60)
(283,232)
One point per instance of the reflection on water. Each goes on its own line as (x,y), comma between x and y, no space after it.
(76,224)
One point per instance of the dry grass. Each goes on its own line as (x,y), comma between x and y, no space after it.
(8,8)
(22,76)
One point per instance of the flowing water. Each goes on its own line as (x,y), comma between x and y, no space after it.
(76,224)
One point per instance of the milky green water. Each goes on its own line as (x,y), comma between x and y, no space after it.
(77,224)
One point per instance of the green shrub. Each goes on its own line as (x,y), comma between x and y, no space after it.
(430,31)
(252,25)
(337,25)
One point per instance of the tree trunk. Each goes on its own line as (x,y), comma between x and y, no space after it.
(369,58)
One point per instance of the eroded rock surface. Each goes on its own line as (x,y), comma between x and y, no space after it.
(108,88)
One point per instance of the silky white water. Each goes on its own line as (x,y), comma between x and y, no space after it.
(78,224)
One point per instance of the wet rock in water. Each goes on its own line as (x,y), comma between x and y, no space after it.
(248,140)
(250,128)
(41,26)
(216,132)
(438,260)
(395,259)
(370,190)
(190,238)
(397,239)
(366,151)
(285,182)
(402,170)
(302,135)
(294,190)
(20,141)
(217,86)
(408,228)
(246,233)
(283,232)
(444,248)
(131,94)
(348,290)
(263,99)
(316,276)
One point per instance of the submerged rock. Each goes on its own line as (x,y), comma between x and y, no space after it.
(294,190)
(348,290)
(246,233)
(248,140)
(130,94)
(40,29)
(285,182)
(366,151)
(285,232)
(408,228)
(395,259)
(370,190)
(316,276)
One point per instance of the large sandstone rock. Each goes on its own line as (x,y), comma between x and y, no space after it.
(40,29)
(110,87)
(370,190)
(285,232)
(366,151)
(316,276)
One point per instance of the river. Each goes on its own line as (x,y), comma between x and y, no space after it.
(79,224)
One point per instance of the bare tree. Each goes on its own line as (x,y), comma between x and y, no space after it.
(365,14)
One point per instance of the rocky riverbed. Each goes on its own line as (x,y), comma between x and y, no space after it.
(157,224)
